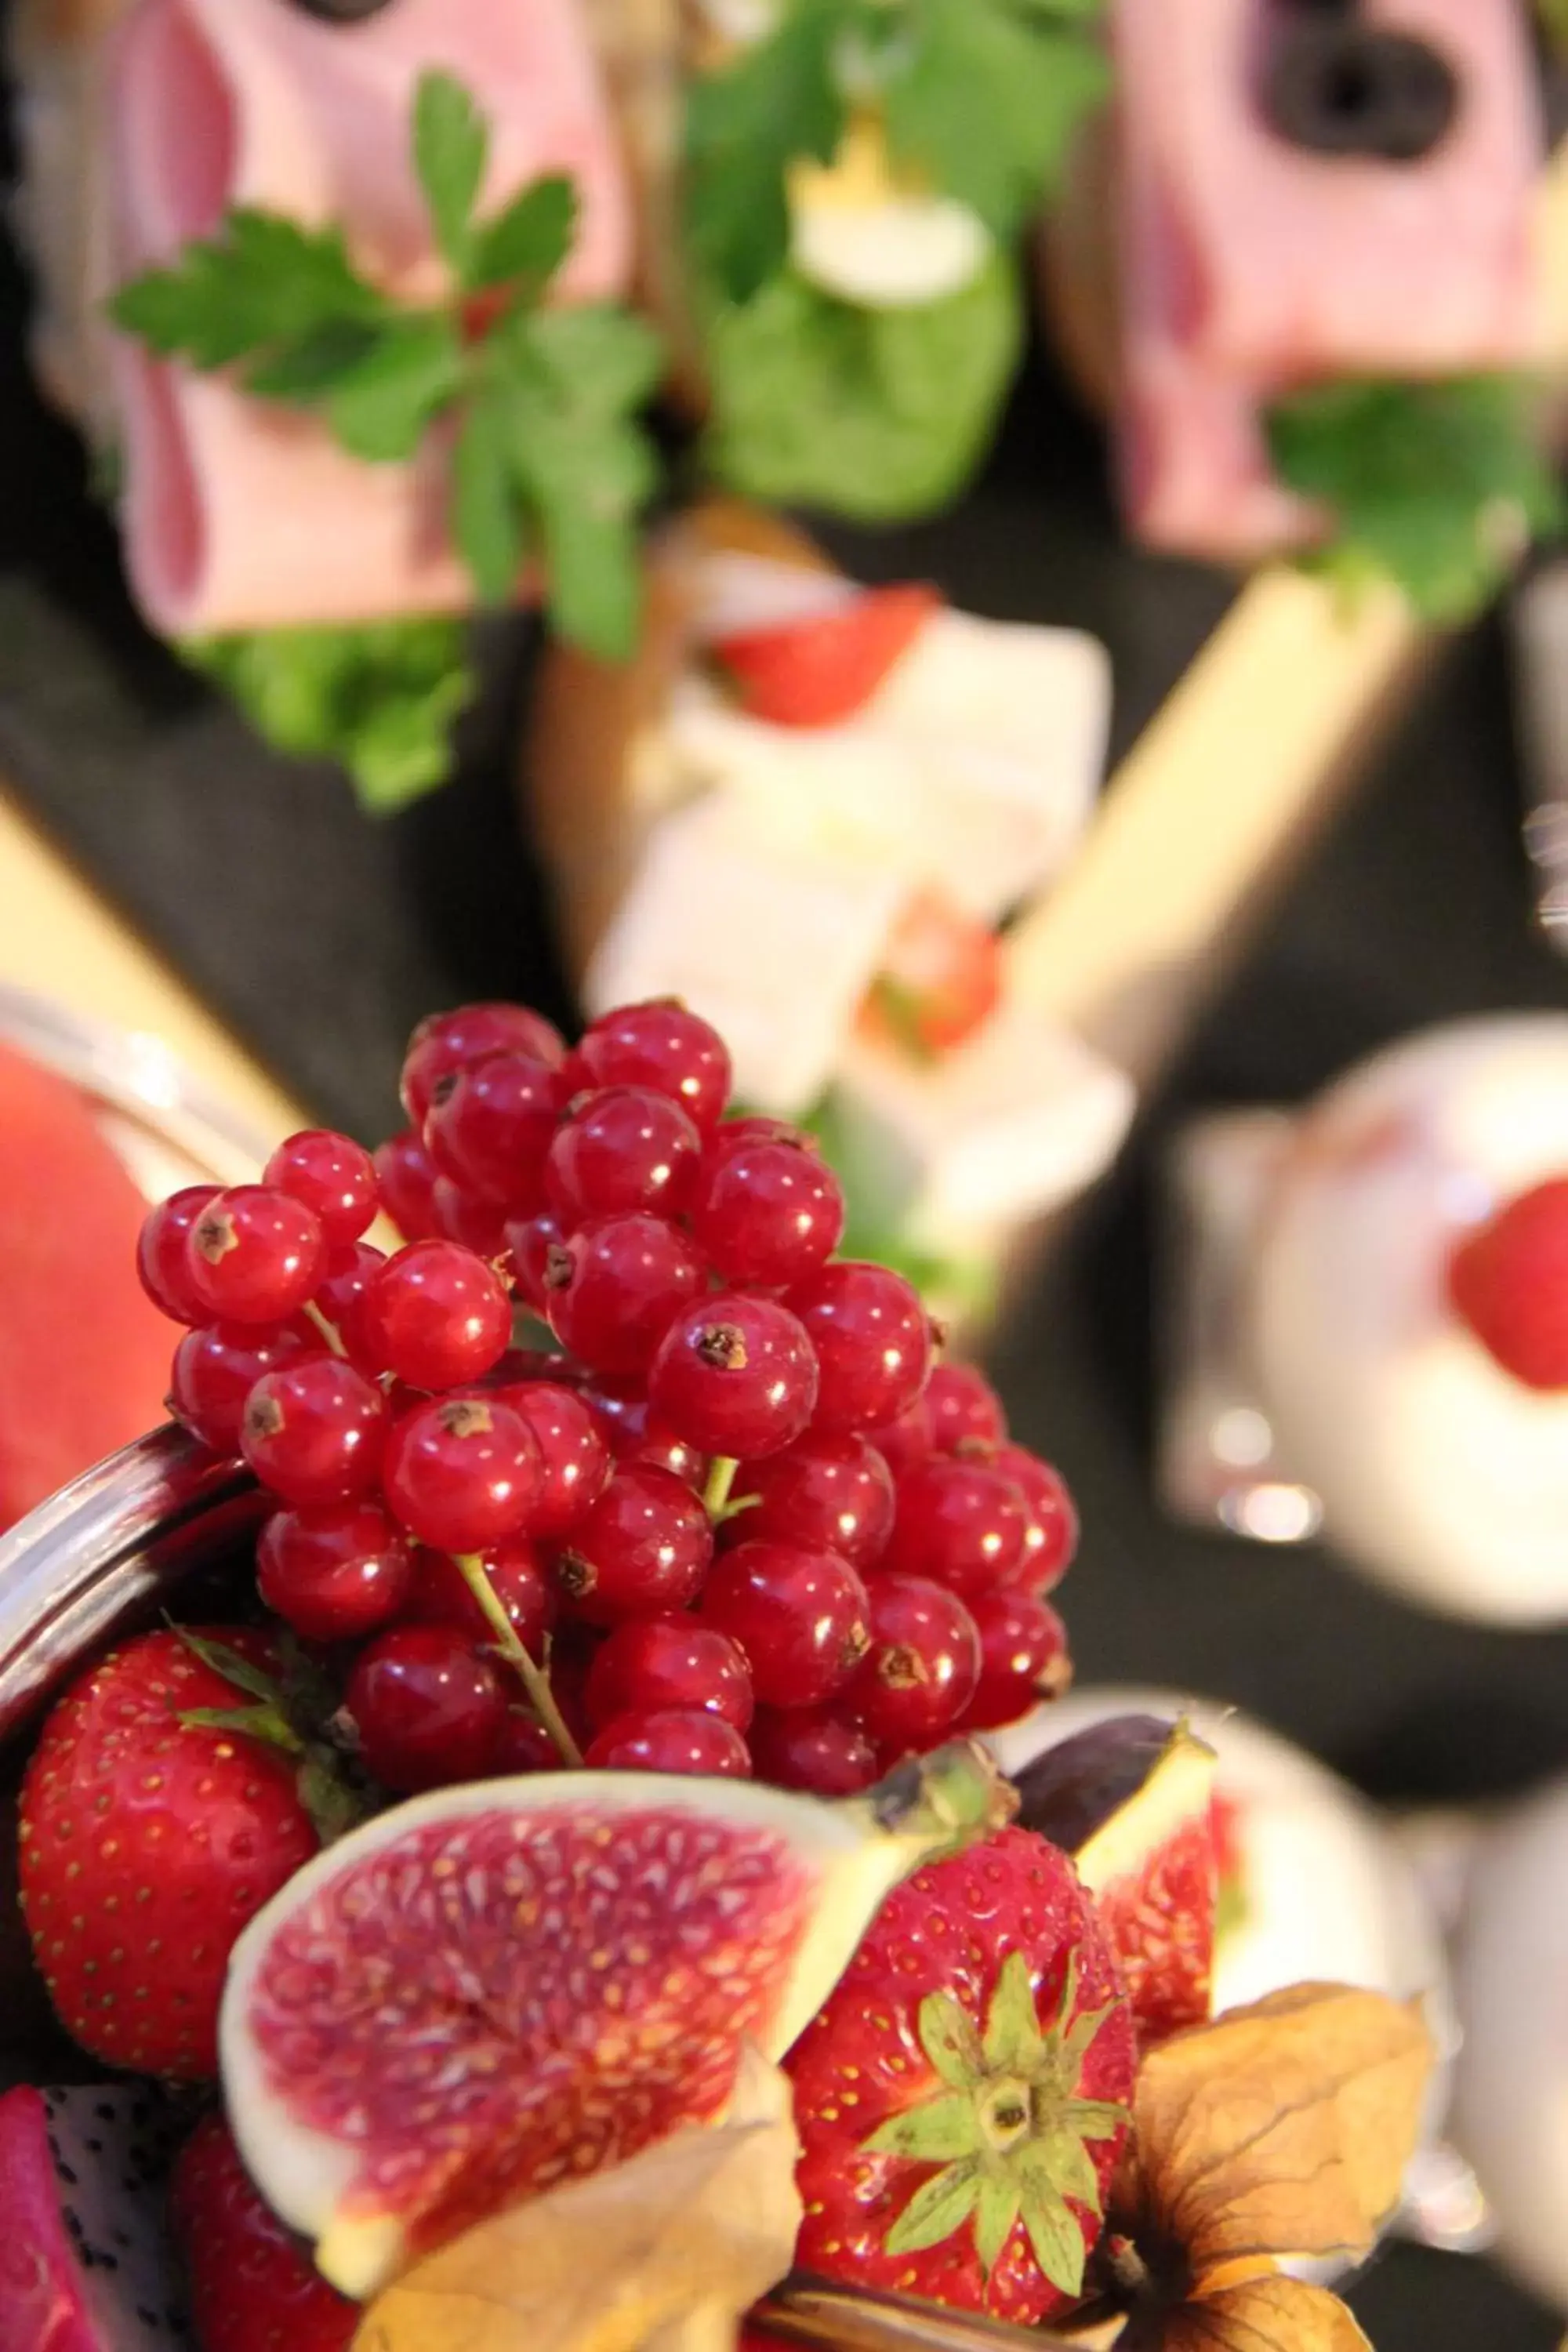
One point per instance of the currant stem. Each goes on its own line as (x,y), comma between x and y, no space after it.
(720,1478)
(541,1698)
(328,1330)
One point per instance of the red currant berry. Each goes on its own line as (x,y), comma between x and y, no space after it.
(478,1226)
(643,1548)
(529,1241)
(828,1494)
(343,1285)
(254,1255)
(959,1523)
(734,1374)
(1023,1658)
(428,1708)
(812,1751)
(623,1150)
(524,1746)
(335,1573)
(613,1288)
(634,1434)
(964,1409)
(572,1653)
(434,1314)
(332,1175)
(768,1214)
(799,1619)
(661,1045)
(675,1740)
(451,1041)
(574,1454)
(461,1472)
(735,1134)
(923,1666)
(441,1594)
(406,1182)
(314,1431)
(872,1339)
(215,1370)
(489,1125)
(161,1253)
(906,1441)
(668,1661)
(1050,1539)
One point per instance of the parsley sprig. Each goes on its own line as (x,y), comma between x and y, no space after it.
(548,460)
(981,96)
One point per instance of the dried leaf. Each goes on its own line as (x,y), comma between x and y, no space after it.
(1284,2128)
(1268,2314)
(665,2250)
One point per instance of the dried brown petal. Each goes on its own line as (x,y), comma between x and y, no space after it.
(1268,2314)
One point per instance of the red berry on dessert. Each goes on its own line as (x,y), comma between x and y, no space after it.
(1509,1281)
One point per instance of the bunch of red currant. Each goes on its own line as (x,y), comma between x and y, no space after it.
(737,1520)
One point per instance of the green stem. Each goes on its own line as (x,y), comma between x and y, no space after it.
(720,1478)
(541,1698)
(329,1331)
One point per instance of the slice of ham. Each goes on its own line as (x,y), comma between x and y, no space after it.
(238,515)
(1251,265)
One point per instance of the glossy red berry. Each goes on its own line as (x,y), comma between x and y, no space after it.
(254,1255)
(921,1669)
(574,1454)
(488,1128)
(529,1241)
(734,1374)
(958,1522)
(677,1740)
(524,1746)
(161,1253)
(460,1216)
(461,1472)
(768,1214)
(668,1661)
(642,1549)
(613,1288)
(1023,1658)
(434,1315)
(314,1431)
(829,1493)
(661,1046)
(406,1180)
(441,1595)
(332,1175)
(799,1619)
(734,1134)
(216,1369)
(335,1573)
(429,1707)
(872,1339)
(1050,1535)
(813,1750)
(636,1435)
(619,1151)
(343,1285)
(964,1409)
(451,1041)
(906,1441)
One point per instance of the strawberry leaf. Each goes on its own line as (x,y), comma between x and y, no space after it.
(951,2042)
(230,1665)
(1058,2241)
(998,2209)
(938,2208)
(932,2134)
(1013,2038)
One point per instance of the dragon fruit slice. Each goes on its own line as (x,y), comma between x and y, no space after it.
(501,1986)
(84,2263)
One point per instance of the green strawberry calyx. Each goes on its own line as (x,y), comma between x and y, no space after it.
(1008,2129)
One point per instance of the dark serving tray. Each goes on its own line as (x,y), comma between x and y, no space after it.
(322,937)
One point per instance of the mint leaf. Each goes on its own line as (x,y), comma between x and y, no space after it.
(879,414)
(487,519)
(604,361)
(744,126)
(527,241)
(451,144)
(262,284)
(1431,485)
(380,405)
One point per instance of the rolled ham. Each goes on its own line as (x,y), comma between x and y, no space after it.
(1251,265)
(238,516)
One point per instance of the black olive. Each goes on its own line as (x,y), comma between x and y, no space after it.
(342,12)
(1348,90)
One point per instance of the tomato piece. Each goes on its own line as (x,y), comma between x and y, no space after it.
(817,672)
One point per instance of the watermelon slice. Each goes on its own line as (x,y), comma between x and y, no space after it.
(84,1355)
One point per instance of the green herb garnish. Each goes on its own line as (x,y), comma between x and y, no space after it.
(1437,487)
(548,459)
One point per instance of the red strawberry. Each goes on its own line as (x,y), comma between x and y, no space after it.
(817,672)
(1509,1281)
(147,1843)
(253,2286)
(939,981)
(962,2099)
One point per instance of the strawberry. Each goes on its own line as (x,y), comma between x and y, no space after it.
(940,978)
(148,1840)
(962,2099)
(253,2286)
(818,672)
(1509,1281)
